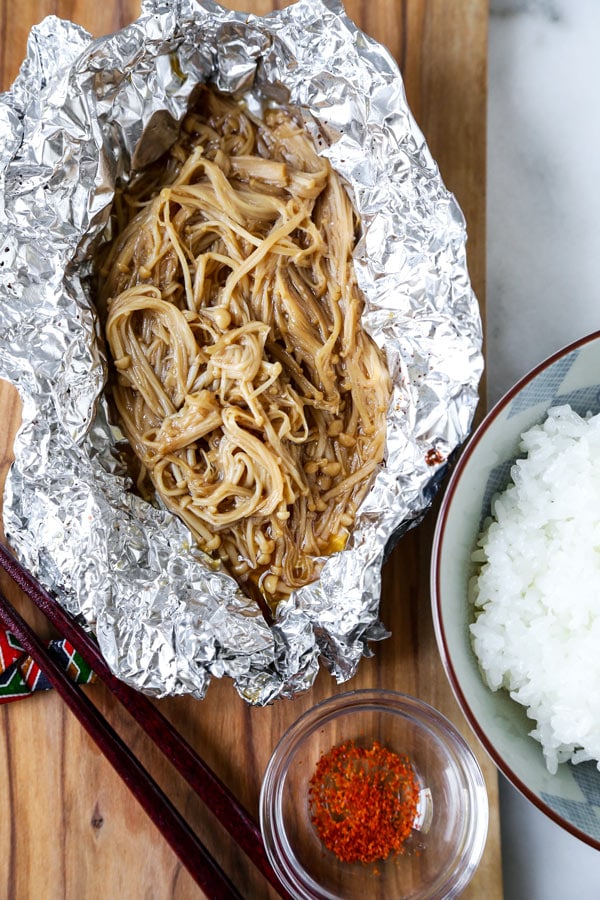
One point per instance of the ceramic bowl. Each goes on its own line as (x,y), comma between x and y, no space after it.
(572,376)
(449,827)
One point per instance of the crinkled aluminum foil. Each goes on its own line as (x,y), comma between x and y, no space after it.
(80,113)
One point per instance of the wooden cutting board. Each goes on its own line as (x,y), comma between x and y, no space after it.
(68,826)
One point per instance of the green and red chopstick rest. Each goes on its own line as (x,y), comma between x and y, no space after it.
(20,676)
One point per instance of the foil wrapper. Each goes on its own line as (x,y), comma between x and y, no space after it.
(80,115)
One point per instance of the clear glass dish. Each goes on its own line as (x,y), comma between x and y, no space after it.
(450,827)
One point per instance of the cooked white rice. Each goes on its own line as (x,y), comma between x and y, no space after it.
(537,631)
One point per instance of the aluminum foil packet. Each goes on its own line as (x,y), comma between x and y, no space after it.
(81,114)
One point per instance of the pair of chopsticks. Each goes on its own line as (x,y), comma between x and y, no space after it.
(204,782)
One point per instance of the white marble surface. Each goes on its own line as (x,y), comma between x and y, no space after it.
(543,292)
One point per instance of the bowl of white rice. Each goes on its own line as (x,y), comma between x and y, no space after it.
(516,586)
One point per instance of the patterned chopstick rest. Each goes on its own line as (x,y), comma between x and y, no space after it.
(20,676)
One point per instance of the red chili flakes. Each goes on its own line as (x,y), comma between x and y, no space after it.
(363,801)
(433,457)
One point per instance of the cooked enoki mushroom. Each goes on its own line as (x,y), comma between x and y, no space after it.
(243,377)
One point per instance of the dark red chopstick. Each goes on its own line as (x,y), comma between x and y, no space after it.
(205,783)
(191,851)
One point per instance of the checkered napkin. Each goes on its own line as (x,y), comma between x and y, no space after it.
(20,676)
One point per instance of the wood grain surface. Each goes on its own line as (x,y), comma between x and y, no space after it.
(68,826)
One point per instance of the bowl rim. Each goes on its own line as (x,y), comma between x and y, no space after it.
(435,586)
(392,702)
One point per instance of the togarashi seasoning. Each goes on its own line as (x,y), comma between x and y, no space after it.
(363,801)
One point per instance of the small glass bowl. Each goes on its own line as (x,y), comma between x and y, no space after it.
(450,827)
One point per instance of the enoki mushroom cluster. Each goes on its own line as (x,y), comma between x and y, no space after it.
(243,379)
